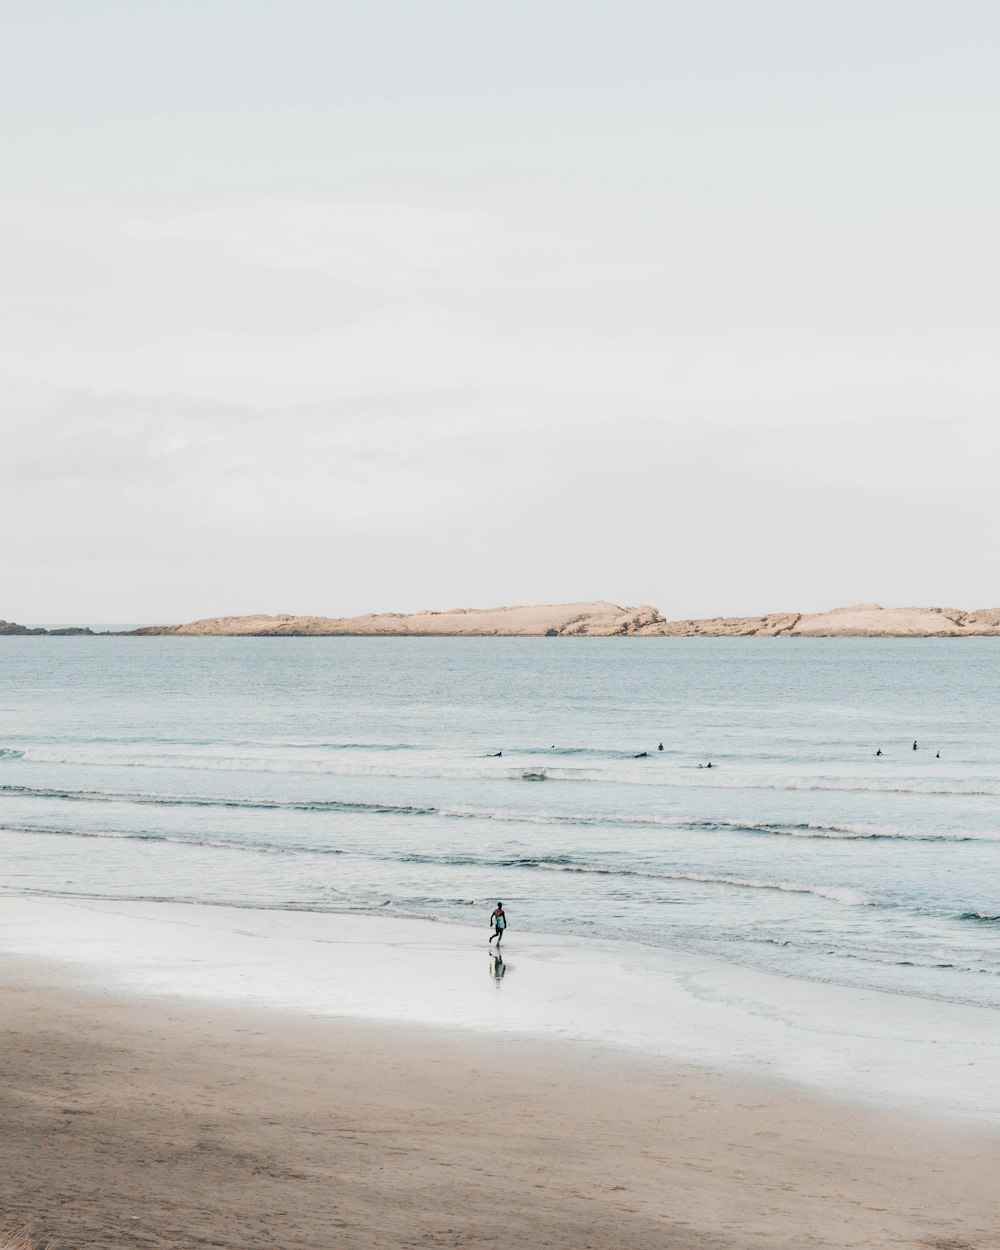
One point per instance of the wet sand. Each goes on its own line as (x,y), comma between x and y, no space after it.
(163,1122)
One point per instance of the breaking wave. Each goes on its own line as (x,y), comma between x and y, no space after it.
(845,832)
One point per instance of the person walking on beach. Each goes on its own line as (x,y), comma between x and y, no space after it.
(499,922)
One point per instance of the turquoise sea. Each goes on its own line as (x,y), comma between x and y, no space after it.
(362,774)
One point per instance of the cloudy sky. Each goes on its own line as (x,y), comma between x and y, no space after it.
(330,307)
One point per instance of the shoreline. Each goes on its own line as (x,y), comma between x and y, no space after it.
(870,1048)
(165,1122)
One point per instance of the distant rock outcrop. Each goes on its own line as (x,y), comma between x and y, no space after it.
(8,627)
(725,627)
(864,620)
(868,620)
(601,620)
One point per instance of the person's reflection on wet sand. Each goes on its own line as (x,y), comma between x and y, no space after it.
(497,966)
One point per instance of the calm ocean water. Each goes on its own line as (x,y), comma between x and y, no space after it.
(361,774)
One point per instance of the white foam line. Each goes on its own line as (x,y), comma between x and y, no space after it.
(836,894)
(687,779)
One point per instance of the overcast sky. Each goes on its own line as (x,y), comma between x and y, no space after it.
(331,307)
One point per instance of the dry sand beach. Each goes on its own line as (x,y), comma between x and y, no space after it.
(158,1120)
(178,1125)
(160,1124)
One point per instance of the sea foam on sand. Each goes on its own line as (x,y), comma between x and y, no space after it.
(882,1049)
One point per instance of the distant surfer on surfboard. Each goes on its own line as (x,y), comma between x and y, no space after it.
(498,921)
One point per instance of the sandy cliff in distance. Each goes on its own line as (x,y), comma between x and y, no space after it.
(604,620)
(600,620)
(868,619)
(778,623)
(865,620)
(595,620)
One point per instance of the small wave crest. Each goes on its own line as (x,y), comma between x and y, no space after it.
(836,894)
(257,847)
(847,832)
(844,895)
(196,800)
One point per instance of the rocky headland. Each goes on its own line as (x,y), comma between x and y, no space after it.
(576,620)
(565,620)
(864,620)
(9,627)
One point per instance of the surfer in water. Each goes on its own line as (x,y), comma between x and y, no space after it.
(498,921)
